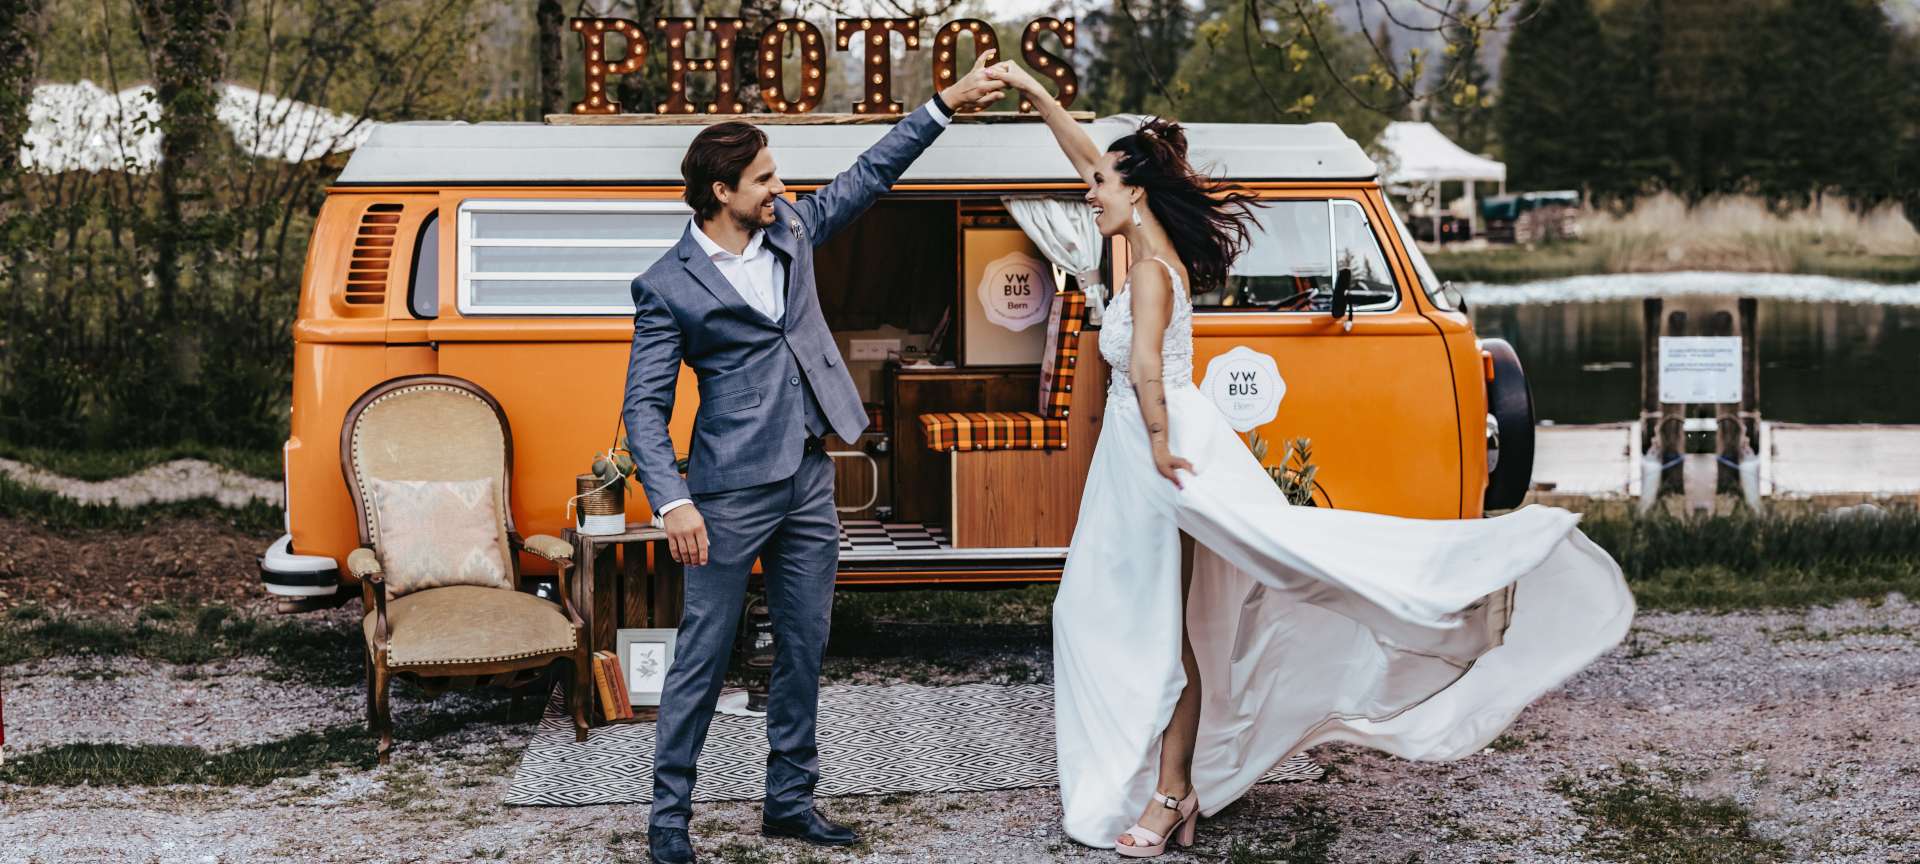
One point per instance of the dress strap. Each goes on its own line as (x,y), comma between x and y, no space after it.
(1179,288)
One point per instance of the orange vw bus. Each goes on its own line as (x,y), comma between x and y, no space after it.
(502,253)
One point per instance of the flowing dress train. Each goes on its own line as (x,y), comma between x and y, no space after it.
(1420,638)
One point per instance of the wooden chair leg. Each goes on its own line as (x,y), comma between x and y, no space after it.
(372,715)
(577,694)
(383,716)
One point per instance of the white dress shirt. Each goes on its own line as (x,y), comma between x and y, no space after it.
(756,274)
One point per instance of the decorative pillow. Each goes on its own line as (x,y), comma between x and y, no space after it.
(433,533)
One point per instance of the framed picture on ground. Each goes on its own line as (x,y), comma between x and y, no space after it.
(645,655)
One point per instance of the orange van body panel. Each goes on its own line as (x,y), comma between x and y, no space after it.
(1395,407)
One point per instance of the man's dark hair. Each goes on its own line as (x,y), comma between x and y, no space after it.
(720,153)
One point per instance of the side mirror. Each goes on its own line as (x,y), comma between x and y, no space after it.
(1343,293)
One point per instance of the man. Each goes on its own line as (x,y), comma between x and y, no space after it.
(736,300)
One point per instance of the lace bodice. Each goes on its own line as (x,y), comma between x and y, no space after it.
(1176,345)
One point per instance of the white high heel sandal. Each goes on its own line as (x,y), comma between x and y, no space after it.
(1150,845)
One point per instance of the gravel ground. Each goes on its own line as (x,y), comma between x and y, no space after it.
(179,480)
(1804,720)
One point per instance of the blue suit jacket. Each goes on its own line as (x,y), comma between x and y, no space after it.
(751,421)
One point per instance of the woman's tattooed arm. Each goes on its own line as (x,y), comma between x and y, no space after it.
(1151,301)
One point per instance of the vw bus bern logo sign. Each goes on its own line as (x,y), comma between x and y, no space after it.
(1016,291)
(1246,386)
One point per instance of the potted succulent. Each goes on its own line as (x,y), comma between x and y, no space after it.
(601,494)
(1295,473)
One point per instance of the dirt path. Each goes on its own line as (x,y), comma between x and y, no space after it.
(1713,738)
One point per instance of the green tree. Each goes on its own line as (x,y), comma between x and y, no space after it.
(1907,70)
(1829,102)
(1137,47)
(1463,100)
(1242,69)
(1556,121)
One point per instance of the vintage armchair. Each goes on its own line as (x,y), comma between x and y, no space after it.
(442,428)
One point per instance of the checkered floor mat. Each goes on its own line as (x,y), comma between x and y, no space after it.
(874,739)
(866,535)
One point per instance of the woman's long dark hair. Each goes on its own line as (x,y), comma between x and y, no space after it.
(1207,219)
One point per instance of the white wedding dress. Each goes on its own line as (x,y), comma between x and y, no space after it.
(1421,638)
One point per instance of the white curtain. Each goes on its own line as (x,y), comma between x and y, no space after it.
(1065,233)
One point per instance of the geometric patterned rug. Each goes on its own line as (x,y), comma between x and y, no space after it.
(874,739)
(866,535)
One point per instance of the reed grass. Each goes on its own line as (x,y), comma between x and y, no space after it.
(1725,233)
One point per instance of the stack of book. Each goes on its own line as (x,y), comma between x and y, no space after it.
(612,684)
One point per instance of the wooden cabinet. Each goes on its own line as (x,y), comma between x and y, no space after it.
(921,477)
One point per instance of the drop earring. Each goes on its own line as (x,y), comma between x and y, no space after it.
(1136,215)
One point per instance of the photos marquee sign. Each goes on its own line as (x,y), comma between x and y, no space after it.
(874,35)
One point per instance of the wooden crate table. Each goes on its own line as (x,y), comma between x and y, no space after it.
(624,580)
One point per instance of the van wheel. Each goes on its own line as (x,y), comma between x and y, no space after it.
(1510,402)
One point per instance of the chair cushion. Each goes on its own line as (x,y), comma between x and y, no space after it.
(470,624)
(435,533)
(993,430)
(1064,323)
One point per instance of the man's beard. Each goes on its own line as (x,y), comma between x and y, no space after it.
(750,222)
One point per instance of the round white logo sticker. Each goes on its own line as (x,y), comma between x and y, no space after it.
(1015,291)
(1246,386)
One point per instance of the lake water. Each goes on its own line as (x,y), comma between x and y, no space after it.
(1831,350)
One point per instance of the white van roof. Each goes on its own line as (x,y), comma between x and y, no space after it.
(452,153)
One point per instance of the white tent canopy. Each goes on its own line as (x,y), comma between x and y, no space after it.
(1419,153)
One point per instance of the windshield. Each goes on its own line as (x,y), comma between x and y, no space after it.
(1297,248)
(1428,282)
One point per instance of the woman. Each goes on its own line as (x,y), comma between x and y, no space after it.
(1184,671)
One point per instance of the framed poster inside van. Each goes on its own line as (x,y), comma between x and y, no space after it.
(1008,290)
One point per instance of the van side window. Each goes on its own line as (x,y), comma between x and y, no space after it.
(1297,247)
(423,286)
(1357,248)
(575,257)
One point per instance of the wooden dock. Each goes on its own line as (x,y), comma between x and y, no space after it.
(1799,462)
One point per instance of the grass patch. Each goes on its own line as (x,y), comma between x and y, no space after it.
(1717,588)
(1891,269)
(1030,604)
(171,764)
(1746,561)
(59,513)
(96,465)
(946,627)
(347,746)
(1305,836)
(1637,821)
(1508,264)
(328,654)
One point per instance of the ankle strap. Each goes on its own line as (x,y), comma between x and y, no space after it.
(1167,801)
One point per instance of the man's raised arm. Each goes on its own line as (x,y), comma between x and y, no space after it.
(828,210)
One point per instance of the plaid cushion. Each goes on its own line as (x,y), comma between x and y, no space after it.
(1064,323)
(993,430)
